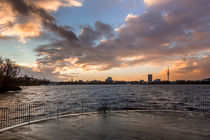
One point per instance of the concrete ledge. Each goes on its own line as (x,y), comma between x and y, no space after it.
(85,113)
(122,125)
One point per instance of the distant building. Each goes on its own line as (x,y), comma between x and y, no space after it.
(157,81)
(168,74)
(141,81)
(80,81)
(149,78)
(134,82)
(206,80)
(109,80)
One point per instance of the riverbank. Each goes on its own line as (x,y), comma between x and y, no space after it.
(118,125)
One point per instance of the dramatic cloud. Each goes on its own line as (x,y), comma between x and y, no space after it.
(24,30)
(89,35)
(166,33)
(25,19)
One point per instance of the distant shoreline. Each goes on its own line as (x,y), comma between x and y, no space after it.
(115,84)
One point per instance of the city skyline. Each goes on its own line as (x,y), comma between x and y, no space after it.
(124,39)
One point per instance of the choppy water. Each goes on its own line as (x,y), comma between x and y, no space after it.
(69,94)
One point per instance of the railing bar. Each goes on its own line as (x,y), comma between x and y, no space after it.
(9,116)
(12,115)
(1,118)
(22,113)
(18,116)
(32,112)
(25,113)
(5,117)
(15,107)
(14,119)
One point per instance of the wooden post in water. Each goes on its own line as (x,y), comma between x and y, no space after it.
(127,105)
(57,110)
(82,107)
(105,106)
(1,122)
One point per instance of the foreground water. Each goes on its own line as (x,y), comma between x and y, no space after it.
(71,95)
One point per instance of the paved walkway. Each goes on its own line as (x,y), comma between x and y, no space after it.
(134,125)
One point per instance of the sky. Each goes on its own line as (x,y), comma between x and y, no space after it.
(95,39)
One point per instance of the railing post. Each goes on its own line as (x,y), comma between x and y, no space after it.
(57,110)
(3,116)
(7,116)
(105,106)
(29,113)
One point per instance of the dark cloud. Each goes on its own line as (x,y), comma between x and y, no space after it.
(89,35)
(27,8)
(20,6)
(63,31)
(104,29)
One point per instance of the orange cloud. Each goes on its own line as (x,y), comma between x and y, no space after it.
(6,14)
(188,69)
(154,2)
(27,20)
(23,30)
(53,5)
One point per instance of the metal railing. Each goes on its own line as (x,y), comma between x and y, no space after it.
(27,113)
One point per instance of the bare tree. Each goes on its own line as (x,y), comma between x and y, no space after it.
(9,70)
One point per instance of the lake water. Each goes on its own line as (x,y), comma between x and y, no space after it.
(161,96)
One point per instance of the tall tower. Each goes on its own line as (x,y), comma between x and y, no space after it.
(149,78)
(168,74)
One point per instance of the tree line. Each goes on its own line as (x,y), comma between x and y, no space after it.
(10,79)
